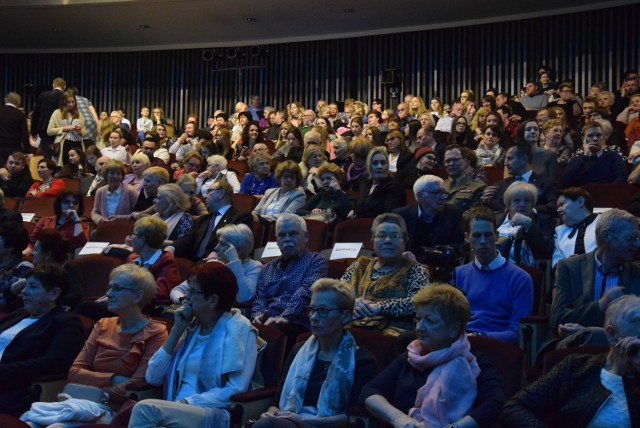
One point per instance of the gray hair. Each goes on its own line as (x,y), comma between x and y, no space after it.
(520,188)
(345,293)
(219,159)
(610,220)
(621,311)
(422,182)
(291,217)
(390,218)
(240,236)
(139,278)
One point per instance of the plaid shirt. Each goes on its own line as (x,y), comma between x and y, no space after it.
(286,293)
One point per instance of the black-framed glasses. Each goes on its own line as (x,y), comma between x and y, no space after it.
(322,312)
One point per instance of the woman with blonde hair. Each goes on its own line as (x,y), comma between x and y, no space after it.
(139,164)
(294,111)
(222,140)
(416,107)
(312,159)
(68,126)
(172,206)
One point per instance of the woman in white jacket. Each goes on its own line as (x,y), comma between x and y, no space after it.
(209,356)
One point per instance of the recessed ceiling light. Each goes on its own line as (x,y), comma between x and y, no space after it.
(349,10)
(144,26)
(251,19)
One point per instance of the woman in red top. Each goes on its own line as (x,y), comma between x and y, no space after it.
(68,206)
(47,185)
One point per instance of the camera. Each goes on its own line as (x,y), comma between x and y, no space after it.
(442,259)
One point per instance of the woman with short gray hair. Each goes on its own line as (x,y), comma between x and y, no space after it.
(235,243)
(216,171)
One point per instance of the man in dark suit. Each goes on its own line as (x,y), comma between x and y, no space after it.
(202,239)
(47,103)
(518,163)
(432,221)
(14,135)
(588,283)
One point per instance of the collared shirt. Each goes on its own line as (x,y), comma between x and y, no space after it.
(119,153)
(149,261)
(221,212)
(495,263)
(113,198)
(285,293)
(599,275)
(526,177)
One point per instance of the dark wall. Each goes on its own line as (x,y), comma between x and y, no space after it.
(586,47)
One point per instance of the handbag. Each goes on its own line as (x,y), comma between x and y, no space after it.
(376,323)
(83,392)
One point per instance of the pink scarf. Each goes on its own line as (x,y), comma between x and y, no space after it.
(450,390)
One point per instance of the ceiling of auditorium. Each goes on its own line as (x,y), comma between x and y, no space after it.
(131,25)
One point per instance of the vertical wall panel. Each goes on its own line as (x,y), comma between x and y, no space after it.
(431,63)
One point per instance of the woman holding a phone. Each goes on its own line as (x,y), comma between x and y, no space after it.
(67,125)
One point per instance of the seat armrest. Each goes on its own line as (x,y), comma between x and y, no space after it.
(256,394)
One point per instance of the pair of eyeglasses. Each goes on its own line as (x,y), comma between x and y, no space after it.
(117,288)
(384,236)
(436,193)
(322,312)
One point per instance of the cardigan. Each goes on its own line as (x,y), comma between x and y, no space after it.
(293,202)
(127,202)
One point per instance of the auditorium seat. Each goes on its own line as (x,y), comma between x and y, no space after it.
(611,195)
(42,207)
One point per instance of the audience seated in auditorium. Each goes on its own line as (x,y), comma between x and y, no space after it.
(76,165)
(596,162)
(588,390)
(117,147)
(7,215)
(586,284)
(116,354)
(432,221)
(15,177)
(152,178)
(438,382)
(186,142)
(527,234)
(172,206)
(235,243)
(463,191)
(359,149)
(47,185)
(331,203)
(192,164)
(379,193)
(260,178)
(576,233)
(69,207)
(385,284)
(518,162)
(282,292)
(499,292)
(324,375)
(201,240)
(217,171)
(209,356)
(115,200)
(90,185)
(287,198)
(39,340)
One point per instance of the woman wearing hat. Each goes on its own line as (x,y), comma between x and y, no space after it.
(425,161)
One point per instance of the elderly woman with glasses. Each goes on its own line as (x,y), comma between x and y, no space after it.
(438,382)
(261,178)
(209,356)
(379,193)
(324,374)
(385,284)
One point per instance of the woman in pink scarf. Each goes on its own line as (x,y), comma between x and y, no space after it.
(439,364)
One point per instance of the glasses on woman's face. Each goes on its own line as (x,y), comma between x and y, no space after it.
(381,236)
(322,312)
(117,288)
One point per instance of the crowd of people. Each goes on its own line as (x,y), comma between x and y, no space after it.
(453,265)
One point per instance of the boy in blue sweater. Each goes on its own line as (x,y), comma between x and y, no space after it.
(499,292)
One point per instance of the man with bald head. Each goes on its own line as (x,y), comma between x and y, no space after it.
(14,135)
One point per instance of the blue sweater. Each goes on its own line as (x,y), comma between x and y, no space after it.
(581,170)
(498,299)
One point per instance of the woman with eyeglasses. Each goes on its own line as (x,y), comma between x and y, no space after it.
(209,356)
(439,382)
(399,155)
(385,284)
(324,374)
(379,193)
(284,199)
(191,165)
(216,171)
(116,354)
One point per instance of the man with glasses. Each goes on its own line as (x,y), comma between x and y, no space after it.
(464,192)
(432,221)
(308,121)
(568,103)
(200,242)
(283,288)
(586,284)
(595,162)
(158,156)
